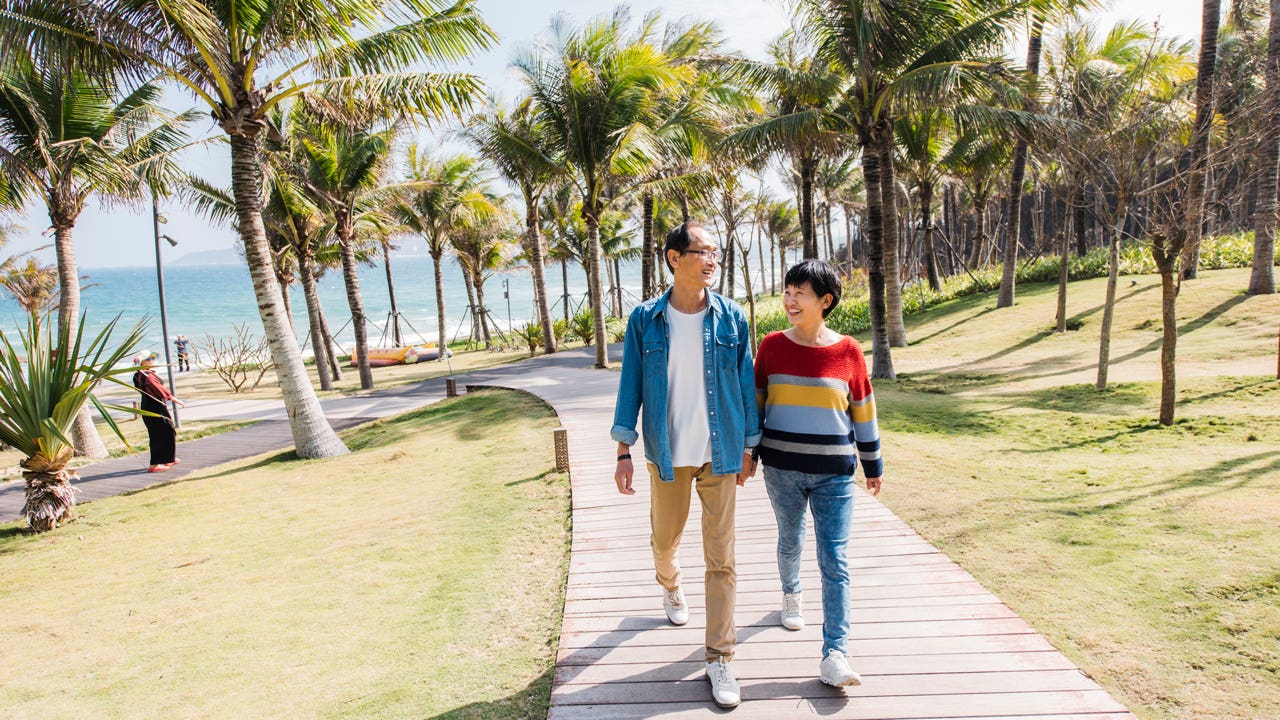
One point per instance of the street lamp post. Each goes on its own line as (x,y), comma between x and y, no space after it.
(156,219)
(506,293)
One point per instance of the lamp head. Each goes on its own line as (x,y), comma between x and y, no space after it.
(173,242)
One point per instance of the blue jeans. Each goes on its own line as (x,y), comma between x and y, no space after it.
(830,498)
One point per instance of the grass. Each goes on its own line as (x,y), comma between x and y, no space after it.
(390,582)
(1148,554)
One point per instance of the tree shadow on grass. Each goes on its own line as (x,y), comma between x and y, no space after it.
(1186,328)
(527,703)
(471,417)
(953,325)
(1223,477)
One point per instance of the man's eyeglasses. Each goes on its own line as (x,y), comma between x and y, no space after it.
(712,255)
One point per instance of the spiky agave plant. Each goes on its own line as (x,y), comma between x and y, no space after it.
(39,403)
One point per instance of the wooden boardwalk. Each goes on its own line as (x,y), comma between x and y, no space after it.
(928,639)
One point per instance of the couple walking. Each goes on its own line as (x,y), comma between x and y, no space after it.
(804,410)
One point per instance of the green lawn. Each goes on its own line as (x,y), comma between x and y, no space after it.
(1147,554)
(396,581)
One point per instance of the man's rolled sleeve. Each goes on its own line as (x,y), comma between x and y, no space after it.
(626,410)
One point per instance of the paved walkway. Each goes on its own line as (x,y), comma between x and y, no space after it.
(929,640)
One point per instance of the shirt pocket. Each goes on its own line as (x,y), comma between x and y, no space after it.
(727,350)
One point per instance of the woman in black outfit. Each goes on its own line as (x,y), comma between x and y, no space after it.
(160,432)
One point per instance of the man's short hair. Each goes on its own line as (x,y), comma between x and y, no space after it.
(821,277)
(679,240)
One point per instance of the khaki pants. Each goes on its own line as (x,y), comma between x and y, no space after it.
(668,511)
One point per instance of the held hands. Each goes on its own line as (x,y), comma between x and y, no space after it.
(748,468)
(873,485)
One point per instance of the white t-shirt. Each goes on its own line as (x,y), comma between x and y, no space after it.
(687,390)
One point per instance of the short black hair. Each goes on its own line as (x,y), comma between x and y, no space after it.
(678,239)
(820,276)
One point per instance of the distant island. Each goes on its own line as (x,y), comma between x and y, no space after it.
(227,256)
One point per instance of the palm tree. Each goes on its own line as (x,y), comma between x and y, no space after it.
(448,193)
(40,399)
(241,58)
(597,90)
(517,144)
(922,141)
(1199,169)
(893,52)
(1262,279)
(481,246)
(345,168)
(33,285)
(802,92)
(64,138)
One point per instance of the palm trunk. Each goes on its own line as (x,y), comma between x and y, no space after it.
(350,278)
(751,297)
(333,351)
(537,263)
(848,239)
(926,221)
(84,435)
(647,246)
(593,281)
(808,237)
(467,281)
(782,265)
(1199,172)
(1109,306)
(312,436)
(391,294)
(288,303)
(564,280)
(1166,257)
(1064,274)
(318,346)
(831,250)
(1262,279)
(482,311)
(889,213)
(1013,232)
(437,258)
(882,361)
(616,279)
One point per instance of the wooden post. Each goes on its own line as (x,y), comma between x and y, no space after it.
(450,388)
(562,449)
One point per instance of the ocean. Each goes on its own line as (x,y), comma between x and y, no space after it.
(210,300)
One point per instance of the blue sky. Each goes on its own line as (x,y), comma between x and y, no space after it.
(123,237)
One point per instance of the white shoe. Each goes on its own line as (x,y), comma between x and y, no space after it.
(677,610)
(724,686)
(792,611)
(835,670)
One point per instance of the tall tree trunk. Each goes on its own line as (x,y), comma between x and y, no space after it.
(808,237)
(647,246)
(593,282)
(782,266)
(564,278)
(437,270)
(312,435)
(882,361)
(1205,71)
(684,208)
(84,436)
(1262,280)
(318,346)
(332,349)
(826,214)
(537,263)
(848,239)
(1109,306)
(391,293)
(482,310)
(1064,269)
(359,323)
(469,283)
(1165,250)
(926,221)
(1013,225)
(617,287)
(889,213)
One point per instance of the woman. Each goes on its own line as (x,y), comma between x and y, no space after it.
(819,420)
(160,433)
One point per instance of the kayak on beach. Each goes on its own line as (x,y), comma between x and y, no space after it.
(404,355)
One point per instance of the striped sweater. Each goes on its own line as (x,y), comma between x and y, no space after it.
(818,411)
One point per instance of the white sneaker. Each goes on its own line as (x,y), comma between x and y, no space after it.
(835,670)
(673,602)
(724,686)
(792,611)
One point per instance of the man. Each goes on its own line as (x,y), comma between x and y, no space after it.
(686,364)
(181,344)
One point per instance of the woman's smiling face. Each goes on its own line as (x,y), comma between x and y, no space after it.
(802,304)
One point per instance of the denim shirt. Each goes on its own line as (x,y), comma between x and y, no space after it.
(730,384)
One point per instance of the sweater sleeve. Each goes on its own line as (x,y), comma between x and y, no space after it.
(862,411)
(762,377)
(152,386)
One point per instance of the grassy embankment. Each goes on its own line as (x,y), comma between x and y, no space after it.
(1148,554)
(391,582)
